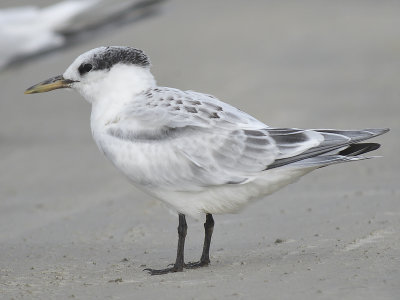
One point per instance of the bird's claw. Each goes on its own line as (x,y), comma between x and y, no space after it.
(172,269)
(197,264)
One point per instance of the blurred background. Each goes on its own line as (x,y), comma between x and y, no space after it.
(72,226)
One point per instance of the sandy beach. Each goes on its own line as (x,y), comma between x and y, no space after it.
(72,227)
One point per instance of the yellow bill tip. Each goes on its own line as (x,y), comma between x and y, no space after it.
(30,91)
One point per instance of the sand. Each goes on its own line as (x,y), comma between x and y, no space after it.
(72,227)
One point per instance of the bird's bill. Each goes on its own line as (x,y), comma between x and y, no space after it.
(57,82)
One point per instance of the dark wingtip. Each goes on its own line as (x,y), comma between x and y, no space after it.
(358,149)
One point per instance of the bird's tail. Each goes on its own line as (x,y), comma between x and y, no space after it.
(353,151)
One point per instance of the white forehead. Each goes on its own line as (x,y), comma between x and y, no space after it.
(88,55)
(104,58)
(72,71)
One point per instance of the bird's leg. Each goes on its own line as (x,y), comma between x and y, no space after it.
(205,256)
(179,263)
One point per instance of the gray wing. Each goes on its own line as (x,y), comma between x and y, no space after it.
(245,153)
(221,144)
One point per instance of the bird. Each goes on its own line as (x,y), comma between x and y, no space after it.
(194,152)
(28,32)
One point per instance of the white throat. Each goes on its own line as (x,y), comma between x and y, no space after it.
(109,91)
(121,83)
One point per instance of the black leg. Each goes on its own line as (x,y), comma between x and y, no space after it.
(179,263)
(205,256)
(182,229)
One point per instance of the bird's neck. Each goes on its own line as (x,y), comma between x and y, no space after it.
(122,86)
(122,82)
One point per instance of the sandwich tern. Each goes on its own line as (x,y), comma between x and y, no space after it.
(191,150)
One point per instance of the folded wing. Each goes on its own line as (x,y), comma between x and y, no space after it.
(223,145)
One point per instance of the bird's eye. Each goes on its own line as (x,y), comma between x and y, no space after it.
(84,68)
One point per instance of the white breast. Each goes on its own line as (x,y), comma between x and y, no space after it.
(145,164)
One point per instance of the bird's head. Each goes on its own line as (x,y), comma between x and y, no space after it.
(103,71)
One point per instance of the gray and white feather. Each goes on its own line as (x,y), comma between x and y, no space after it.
(191,150)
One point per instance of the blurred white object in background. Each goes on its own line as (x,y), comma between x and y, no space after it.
(28,31)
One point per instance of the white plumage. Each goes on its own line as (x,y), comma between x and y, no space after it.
(196,153)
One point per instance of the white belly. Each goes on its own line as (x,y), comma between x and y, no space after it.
(230,198)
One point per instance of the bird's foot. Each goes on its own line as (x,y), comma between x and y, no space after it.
(197,264)
(175,268)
